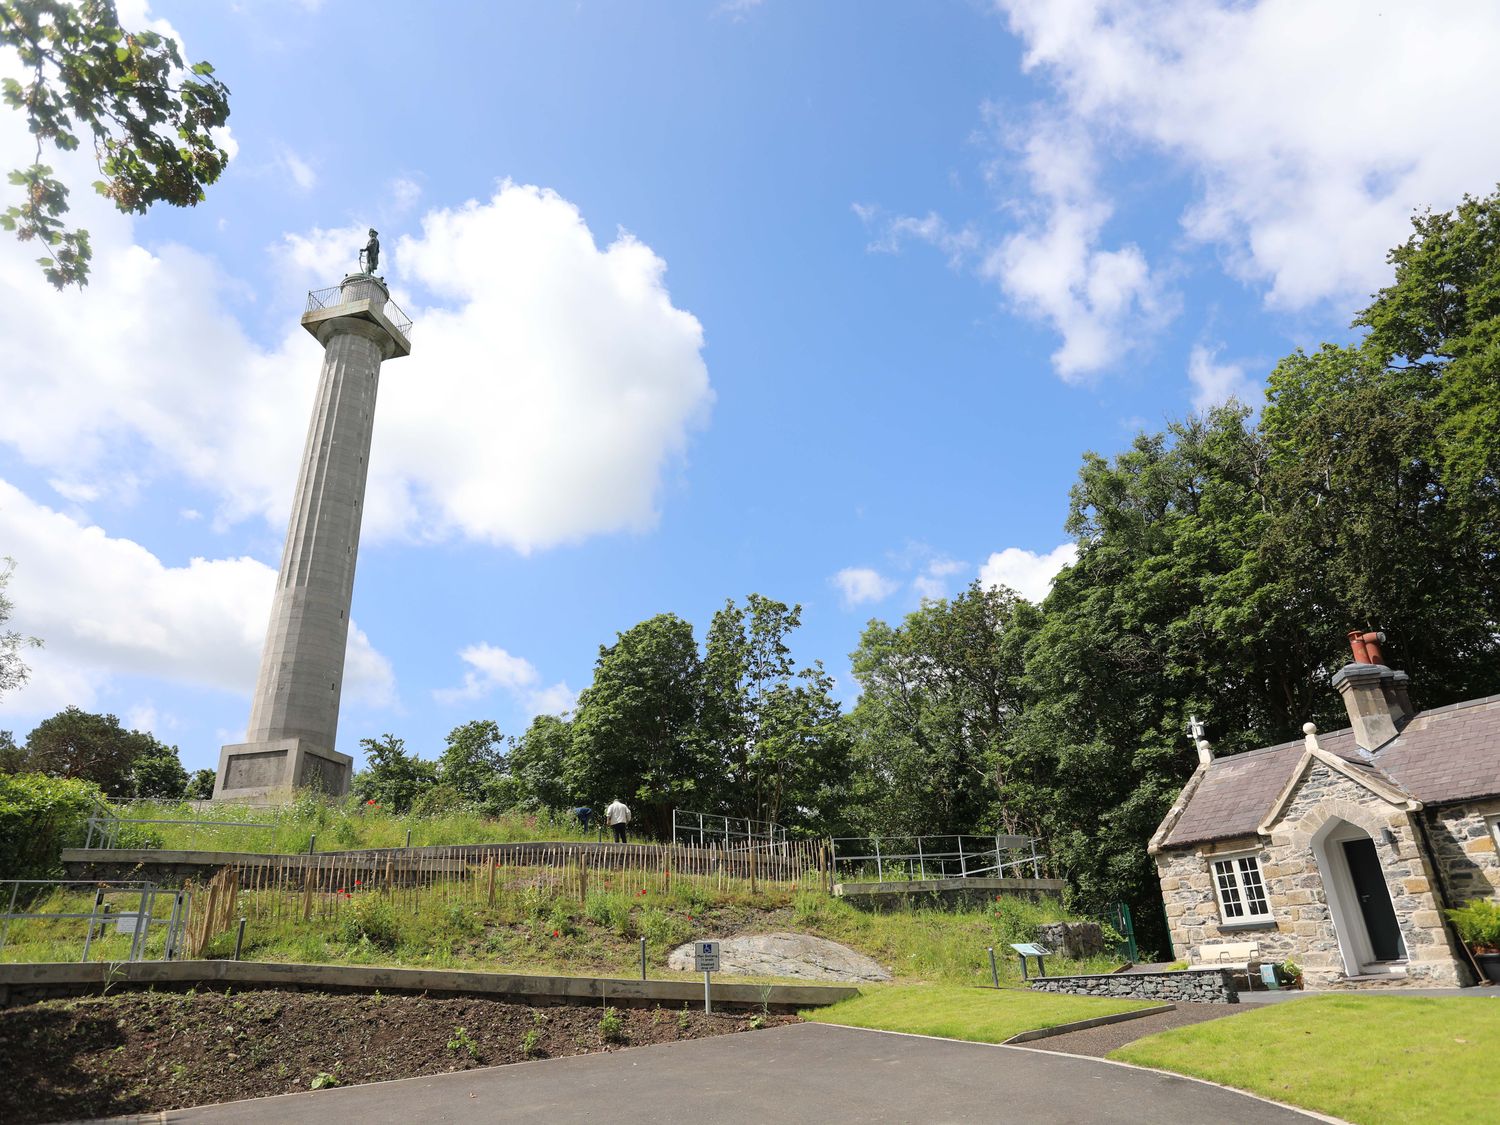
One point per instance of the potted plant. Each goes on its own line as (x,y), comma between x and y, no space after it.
(1290,973)
(1478,925)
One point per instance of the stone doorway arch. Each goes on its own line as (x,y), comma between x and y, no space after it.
(1359,900)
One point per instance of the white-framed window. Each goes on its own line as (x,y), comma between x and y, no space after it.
(1241,890)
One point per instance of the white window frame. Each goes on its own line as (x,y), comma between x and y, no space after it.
(1244,898)
(1494,823)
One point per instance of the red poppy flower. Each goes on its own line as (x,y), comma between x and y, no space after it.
(371,802)
(359,882)
(342,891)
(554,933)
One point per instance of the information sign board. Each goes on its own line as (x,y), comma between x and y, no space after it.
(706,956)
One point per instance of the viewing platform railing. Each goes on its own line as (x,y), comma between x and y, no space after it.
(335,295)
(904,858)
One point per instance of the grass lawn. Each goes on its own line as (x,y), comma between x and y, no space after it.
(1366,1059)
(954,1012)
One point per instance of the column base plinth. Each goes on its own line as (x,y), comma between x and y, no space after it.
(277,767)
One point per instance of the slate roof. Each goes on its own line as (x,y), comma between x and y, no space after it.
(1442,756)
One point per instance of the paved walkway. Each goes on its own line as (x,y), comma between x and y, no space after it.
(811,1073)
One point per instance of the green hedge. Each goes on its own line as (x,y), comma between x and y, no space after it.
(39,816)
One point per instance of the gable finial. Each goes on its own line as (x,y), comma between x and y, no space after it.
(1310,736)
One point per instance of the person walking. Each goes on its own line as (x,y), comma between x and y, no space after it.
(618,816)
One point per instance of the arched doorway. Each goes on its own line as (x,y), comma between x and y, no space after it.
(1359,900)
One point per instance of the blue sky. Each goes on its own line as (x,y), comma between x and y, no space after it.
(819,300)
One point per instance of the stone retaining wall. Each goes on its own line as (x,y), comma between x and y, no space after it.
(1195,986)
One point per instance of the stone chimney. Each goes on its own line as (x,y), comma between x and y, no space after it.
(1397,693)
(1375,697)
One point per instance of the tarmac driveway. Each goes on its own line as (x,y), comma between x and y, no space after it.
(800,1073)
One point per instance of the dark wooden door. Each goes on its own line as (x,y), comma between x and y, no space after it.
(1374,899)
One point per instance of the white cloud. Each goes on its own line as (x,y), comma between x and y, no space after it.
(1026,572)
(932,582)
(299,171)
(892,232)
(107,607)
(1310,131)
(491,667)
(1100,301)
(552,384)
(1215,383)
(861,584)
(737,10)
(405,193)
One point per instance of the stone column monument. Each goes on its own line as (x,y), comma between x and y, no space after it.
(295,714)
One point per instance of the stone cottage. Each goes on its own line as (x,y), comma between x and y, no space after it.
(1341,851)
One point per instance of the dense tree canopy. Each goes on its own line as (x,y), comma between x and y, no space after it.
(772,729)
(392,778)
(636,734)
(87,747)
(939,694)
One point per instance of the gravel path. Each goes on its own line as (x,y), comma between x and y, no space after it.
(1100,1041)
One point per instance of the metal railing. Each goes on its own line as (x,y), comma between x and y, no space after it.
(697,829)
(137,923)
(936,857)
(333,296)
(104,828)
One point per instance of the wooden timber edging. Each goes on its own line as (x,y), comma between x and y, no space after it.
(23,983)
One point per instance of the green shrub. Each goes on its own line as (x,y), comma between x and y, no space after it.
(39,816)
(369,918)
(663,928)
(611,1026)
(460,919)
(611,910)
(531,1044)
(463,1041)
(1478,923)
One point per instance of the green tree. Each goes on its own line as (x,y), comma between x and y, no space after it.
(157,772)
(11,755)
(1362,530)
(473,761)
(773,728)
(76,744)
(392,778)
(635,734)
(538,762)
(13,672)
(939,695)
(150,119)
(200,786)
(1440,319)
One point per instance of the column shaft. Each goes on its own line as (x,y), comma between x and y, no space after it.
(302,664)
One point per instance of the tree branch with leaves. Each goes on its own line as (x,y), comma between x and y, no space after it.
(152,119)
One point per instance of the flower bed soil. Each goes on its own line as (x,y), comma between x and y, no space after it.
(140,1052)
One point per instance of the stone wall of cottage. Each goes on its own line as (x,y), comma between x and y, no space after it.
(1465,847)
(1301,927)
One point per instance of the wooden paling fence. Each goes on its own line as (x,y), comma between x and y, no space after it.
(217,912)
(280,888)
